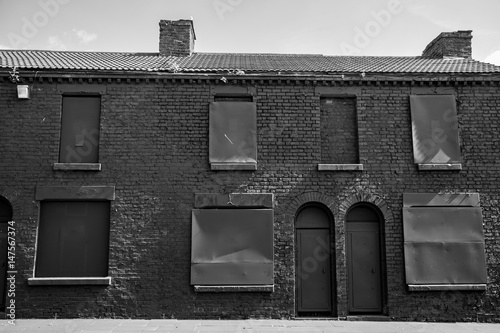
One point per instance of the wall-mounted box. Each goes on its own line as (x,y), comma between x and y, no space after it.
(23,91)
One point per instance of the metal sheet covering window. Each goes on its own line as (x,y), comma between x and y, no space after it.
(434,129)
(443,240)
(80,129)
(233,132)
(73,239)
(232,247)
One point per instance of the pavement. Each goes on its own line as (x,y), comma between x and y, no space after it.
(236,326)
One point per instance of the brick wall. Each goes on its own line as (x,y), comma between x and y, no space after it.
(450,44)
(176,38)
(154,149)
(339,131)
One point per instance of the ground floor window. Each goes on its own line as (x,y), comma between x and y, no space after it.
(444,242)
(232,247)
(73,239)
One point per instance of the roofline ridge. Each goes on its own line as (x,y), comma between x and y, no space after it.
(259,54)
(73,51)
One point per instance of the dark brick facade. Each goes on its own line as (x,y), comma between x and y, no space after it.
(154,149)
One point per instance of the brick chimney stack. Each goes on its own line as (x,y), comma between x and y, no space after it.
(177,38)
(456,44)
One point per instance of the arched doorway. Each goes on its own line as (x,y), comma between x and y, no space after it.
(315,293)
(365,269)
(5,217)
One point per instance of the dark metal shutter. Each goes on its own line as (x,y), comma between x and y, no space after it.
(80,129)
(73,239)
(443,240)
(232,247)
(233,132)
(434,129)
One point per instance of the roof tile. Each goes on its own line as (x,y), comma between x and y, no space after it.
(252,63)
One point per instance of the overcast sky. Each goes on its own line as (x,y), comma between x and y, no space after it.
(330,27)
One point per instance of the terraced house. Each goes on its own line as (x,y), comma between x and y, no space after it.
(209,185)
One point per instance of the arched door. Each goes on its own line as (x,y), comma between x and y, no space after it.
(314,276)
(364,260)
(5,216)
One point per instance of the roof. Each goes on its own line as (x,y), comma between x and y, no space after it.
(248,63)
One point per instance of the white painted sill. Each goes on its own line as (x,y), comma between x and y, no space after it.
(233,166)
(440,166)
(340,167)
(240,288)
(434,287)
(77,166)
(70,281)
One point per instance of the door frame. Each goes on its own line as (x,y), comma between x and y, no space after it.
(383,258)
(333,276)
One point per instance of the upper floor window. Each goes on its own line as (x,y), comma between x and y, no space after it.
(435,132)
(339,134)
(233,133)
(79,143)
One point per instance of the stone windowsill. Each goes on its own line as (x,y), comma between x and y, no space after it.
(77,166)
(439,166)
(69,281)
(433,287)
(242,288)
(233,166)
(340,167)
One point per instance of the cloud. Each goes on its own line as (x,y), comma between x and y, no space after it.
(68,39)
(493,58)
(84,36)
(55,43)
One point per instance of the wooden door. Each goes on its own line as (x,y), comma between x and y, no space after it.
(364,266)
(314,275)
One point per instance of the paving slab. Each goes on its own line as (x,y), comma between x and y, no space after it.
(235,326)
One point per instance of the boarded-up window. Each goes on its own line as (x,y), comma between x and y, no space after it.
(233,132)
(434,129)
(339,131)
(73,239)
(232,247)
(80,129)
(443,240)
